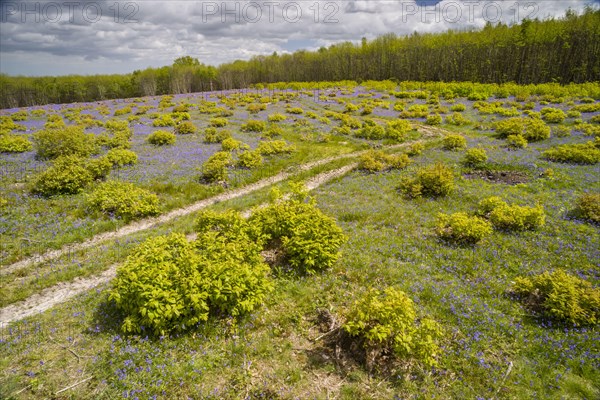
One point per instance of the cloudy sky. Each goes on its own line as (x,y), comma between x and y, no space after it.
(92,37)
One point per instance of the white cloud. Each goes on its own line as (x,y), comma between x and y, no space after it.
(98,37)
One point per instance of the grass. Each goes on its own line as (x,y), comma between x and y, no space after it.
(492,347)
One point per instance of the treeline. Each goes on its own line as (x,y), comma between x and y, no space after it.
(563,50)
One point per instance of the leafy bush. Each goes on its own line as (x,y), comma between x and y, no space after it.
(256,108)
(475,158)
(588,207)
(397,129)
(218,122)
(10,143)
(185,128)
(416,149)
(536,130)
(169,284)
(553,115)
(161,138)
(294,110)
(386,322)
(253,125)
(274,147)
(277,117)
(249,159)
(458,107)
(99,167)
(121,157)
(372,132)
(561,297)
(511,217)
(516,142)
(53,143)
(215,168)
(561,131)
(579,153)
(532,129)
(66,175)
(457,119)
(211,135)
(375,161)
(164,120)
(54,121)
(230,144)
(461,229)
(435,180)
(309,239)
(272,132)
(123,200)
(433,119)
(510,126)
(454,142)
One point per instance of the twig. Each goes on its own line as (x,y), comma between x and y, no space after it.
(325,334)
(73,385)
(67,348)
(510,365)
(22,390)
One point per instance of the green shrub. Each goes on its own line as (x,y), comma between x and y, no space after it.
(295,110)
(561,131)
(475,158)
(215,168)
(256,108)
(66,175)
(458,107)
(10,143)
(561,297)
(249,159)
(510,126)
(274,147)
(122,111)
(553,115)
(433,181)
(433,119)
(372,132)
(53,143)
(211,135)
(588,207)
(517,218)
(161,138)
(386,322)
(375,161)
(516,142)
(486,206)
(238,279)
(457,119)
(277,117)
(54,121)
(99,167)
(161,287)
(121,157)
(218,122)
(454,142)
(461,229)
(185,128)
(308,239)
(397,129)
(253,125)
(272,132)
(20,115)
(230,144)
(163,121)
(536,130)
(573,114)
(573,153)
(416,149)
(123,200)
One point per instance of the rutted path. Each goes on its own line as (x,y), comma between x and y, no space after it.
(150,222)
(63,291)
